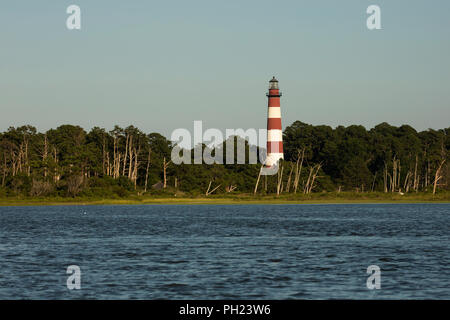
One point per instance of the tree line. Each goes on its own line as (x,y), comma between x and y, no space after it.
(69,161)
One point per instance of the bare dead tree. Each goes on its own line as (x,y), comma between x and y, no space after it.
(165,166)
(406,184)
(208,192)
(5,170)
(108,165)
(146,171)
(438,176)
(45,155)
(280,180)
(117,160)
(306,187)
(257,180)
(114,156)
(314,177)
(416,182)
(385,177)
(298,168)
(288,184)
(56,175)
(132,157)
(127,142)
(117,171)
(134,175)
(395,164)
(104,163)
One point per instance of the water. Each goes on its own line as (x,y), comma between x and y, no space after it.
(225,252)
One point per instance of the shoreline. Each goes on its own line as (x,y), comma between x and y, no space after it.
(238,200)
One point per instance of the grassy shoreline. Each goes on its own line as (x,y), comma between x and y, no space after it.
(319,198)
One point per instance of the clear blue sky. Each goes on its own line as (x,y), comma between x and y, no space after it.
(160,65)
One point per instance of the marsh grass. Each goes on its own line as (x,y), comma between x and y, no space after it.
(315,198)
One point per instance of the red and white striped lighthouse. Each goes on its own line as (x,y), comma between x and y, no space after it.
(274,130)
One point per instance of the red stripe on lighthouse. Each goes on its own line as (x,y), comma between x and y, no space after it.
(274,101)
(274,123)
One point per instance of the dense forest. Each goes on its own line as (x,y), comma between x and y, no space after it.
(70,162)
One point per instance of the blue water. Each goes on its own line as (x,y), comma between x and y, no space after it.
(226,252)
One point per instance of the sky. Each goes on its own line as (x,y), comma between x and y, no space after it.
(160,65)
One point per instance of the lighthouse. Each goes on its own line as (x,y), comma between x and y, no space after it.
(274,130)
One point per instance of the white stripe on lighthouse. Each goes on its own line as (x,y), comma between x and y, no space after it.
(274,112)
(274,135)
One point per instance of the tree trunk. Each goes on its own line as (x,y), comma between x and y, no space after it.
(288,185)
(130,166)
(306,188)
(373,183)
(126,154)
(298,169)
(136,166)
(394,175)
(55,159)
(438,176)
(406,184)
(165,166)
(415,174)
(45,154)
(146,172)
(257,180)
(4,172)
(280,180)
(209,186)
(314,177)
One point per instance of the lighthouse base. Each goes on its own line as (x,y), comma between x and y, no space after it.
(273,159)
